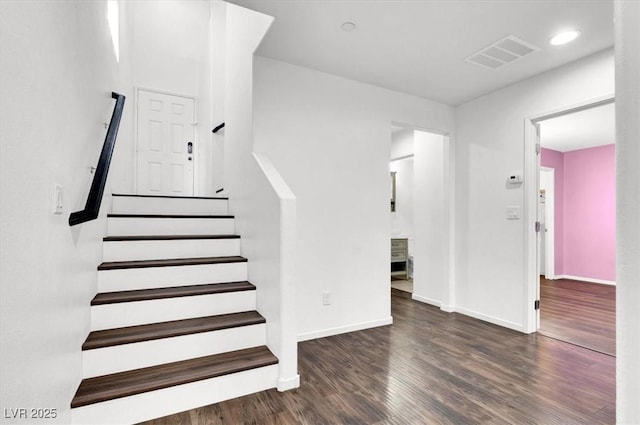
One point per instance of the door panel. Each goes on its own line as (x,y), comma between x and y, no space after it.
(165,128)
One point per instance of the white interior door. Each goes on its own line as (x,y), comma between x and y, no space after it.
(547,258)
(165,144)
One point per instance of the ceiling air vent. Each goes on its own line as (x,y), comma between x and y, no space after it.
(502,52)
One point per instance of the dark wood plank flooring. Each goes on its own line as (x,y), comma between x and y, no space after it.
(581,313)
(431,367)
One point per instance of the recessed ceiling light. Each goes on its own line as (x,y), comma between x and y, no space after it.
(348,26)
(564,37)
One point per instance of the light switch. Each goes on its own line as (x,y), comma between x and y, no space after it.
(513,213)
(57,205)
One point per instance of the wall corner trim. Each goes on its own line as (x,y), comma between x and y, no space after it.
(285,384)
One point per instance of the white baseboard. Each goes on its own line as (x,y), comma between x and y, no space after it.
(344,329)
(426,300)
(496,321)
(586,279)
(285,384)
(471,313)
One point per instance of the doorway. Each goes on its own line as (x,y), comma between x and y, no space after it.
(165,144)
(420,164)
(576,215)
(402,207)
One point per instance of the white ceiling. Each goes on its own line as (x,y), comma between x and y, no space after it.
(580,130)
(419,46)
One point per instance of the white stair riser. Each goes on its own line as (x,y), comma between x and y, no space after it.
(162,277)
(119,358)
(167,401)
(140,226)
(156,250)
(152,311)
(146,205)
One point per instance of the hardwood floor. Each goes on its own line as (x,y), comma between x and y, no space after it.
(581,313)
(431,367)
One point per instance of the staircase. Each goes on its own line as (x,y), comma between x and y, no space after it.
(174,325)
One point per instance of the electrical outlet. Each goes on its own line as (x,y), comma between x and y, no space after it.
(326,298)
(513,213)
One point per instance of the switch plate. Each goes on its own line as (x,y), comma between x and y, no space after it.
(513,213)
(514,179)
(326,298)
(57,205)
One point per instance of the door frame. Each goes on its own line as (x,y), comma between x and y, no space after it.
(550,226)
(531,161)
(136,96)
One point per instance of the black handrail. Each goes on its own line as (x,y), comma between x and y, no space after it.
(218,128)
(92,207)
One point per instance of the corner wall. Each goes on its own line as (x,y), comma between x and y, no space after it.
(431,247)
(489,146)
(263,204)
(57,72)
(330,138)
(590,213)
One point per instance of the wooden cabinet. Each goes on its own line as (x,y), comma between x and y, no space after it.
(400,257)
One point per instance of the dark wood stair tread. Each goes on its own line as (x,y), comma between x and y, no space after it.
(166,237)
(171,292)
(130,195)
(148,332)
(123,384)
(114,265)
(169,216)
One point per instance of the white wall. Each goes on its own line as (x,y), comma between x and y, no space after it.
(489,146)
(166,46)
(430,259)
(330,139)
(401,143)
(627,17)
(402,217)
(264,206)
(218,43)
(58,71)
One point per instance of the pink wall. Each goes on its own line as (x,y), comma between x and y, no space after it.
(585,211)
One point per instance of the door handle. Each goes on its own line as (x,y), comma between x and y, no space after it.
(190,147)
